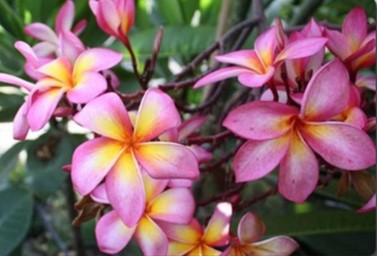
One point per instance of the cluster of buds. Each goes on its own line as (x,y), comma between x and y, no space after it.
(137,167)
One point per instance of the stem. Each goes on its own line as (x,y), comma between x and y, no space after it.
(214,139)
(221,196)
(256,199)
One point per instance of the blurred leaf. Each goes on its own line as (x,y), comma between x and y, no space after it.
(321,222)
(177,12)
(46,157)
(142,17)
(9,105)
(10,20)
(209,10)
(176,41)
(9,159)
(16,208)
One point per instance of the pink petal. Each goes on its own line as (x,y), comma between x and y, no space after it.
(79,27)
(261,120)
(127,10)
(92,161)
(217,230)
(107,16)
(265,46)
(28,53)
(190,126)
(65,16)
(20,124)
(125,190)
(152,187)
(366,81)
(43,106)
(170,135)
(301,48)
(201,154)
(165,160)
(96,59)
(190,233)
(327,93)
(354,26)
(256,80)
(89,85)
(107,116)
(151,238)
(9,79)
(279,246)
(299,171)
(370,206)
(175,205)
(59,69)
(337,44)
(341,145)
(180,183)
(157,114)
(250,228)
(99,194)
(221,74)
(268,96)
(41,32)
(45,49)
(256,159)
(356,117)
(243,58)
(111,234)
(70,45)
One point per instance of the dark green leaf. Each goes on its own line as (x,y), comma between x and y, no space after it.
(9,159)
(10,20)
(9,105)
(16,208)
(321,222)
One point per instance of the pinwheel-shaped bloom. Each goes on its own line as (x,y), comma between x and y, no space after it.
(249,231)
(256,67)
(115,17)
(117,154)
(81,83)
(191,240)
(354,45)
(278,133)
(174,205)
(50,39)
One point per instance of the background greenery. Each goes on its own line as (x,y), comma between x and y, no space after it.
(36,195)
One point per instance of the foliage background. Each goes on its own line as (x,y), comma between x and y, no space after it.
(36,196)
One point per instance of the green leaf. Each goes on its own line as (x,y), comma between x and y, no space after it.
(321,222)
(45,158)
(9,105)
(170,12)
(176,41)
(10,20)
(9,160)
(16,209)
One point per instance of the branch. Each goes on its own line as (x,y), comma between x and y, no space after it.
(256,199)
(214,139)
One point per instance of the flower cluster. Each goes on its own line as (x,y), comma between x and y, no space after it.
(138,163)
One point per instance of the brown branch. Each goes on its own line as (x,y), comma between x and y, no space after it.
(256,199)
(214,139)
(221,196)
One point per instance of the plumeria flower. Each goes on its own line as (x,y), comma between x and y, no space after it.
(50,40)
(80,83)
(354,45)
(116,155)
(249,231)
(115,17)
(175,205)
(256,67)
(191,239)
(278,133)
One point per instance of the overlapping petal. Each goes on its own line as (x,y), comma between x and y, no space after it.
(9,79)
(65,16)
(260,120)
(175,205)
(265,46)
(250,228)
(217,230)
(256,80)
(41,32)
(151,238)
(255,159)
(59,69)
(107,116)
(157,114)
(354,27)
(125,190)
(189,233)
(299,171)
(220,74)
(165,160)
(341,145)
(279,246)
(92,161)
(244,58)
(327,94)
(20,124)
(179,249)
(111,234)
(88,86)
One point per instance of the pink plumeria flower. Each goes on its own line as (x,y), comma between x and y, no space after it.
(80,83)
(370,206)
(174,205)
(354,45)
(117,154)
(115,17)
(191,239)
(50,40)
(278,133)
(256,67)
(249,231)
